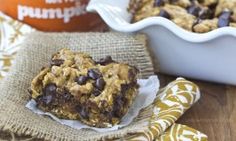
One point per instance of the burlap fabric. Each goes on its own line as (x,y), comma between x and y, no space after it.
(36,52)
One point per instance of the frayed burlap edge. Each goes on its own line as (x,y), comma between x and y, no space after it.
(52,39)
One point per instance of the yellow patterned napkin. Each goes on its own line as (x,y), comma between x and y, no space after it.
(183,133)
(171,103)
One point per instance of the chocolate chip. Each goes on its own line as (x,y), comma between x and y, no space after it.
(120,101)
(206,14)
(47,99)
(194,10)
(81,80)
(224,19)
(159,3)
(50,89)
(96,92)
(109,115)
(94,74)
(105,61)
(57,62)
(117,105)
(83,111)
(223,23)
(200,1)
(164,14)
(67,95)
(212,6)
(197,21)
(100,84)
(124,88)
(225,14)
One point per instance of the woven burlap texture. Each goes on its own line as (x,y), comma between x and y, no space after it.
(36,52)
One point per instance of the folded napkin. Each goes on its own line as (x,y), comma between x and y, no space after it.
(171,103)
(156,122)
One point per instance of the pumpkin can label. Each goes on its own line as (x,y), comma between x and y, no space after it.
(52,15)
(65,13)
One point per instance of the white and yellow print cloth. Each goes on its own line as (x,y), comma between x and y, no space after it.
(12,34)
(171,102)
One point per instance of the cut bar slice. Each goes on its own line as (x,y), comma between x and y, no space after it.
(78,88)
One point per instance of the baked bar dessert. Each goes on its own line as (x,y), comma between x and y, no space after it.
(74,86)
(193,15)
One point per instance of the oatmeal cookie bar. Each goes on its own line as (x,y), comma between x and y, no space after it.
(193,15)
(74,86)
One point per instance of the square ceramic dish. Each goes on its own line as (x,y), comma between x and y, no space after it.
(209,56)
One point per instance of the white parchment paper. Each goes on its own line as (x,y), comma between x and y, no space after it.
(147,93)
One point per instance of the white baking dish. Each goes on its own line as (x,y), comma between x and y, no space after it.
(210,56)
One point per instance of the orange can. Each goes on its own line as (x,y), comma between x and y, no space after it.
(52,15)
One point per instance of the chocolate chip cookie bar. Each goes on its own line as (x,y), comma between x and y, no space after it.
(193,15)
(74,86)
